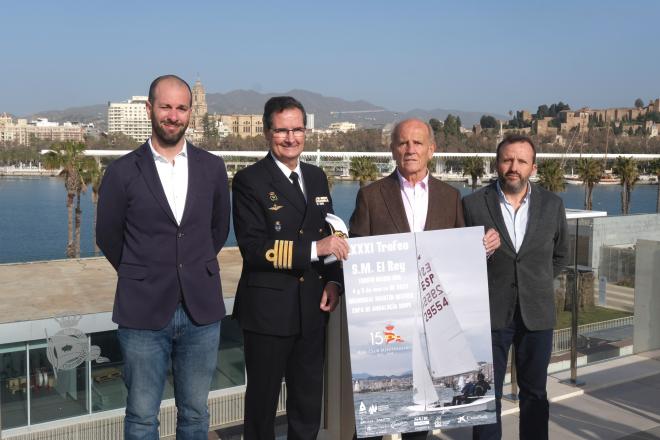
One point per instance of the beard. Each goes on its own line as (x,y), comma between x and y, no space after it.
(513,187)
(166,139)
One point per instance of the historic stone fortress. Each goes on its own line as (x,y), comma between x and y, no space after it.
(580,119)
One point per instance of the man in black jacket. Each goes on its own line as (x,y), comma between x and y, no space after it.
(285,292)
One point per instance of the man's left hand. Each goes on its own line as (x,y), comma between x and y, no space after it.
(330,297)
(491,241)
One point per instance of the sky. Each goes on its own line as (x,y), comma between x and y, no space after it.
(469,55)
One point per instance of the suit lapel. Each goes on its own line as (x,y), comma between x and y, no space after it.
(147,167)
(195,181)
(533,217)
(283,185)
(493,204)
(436,217)
(391,193)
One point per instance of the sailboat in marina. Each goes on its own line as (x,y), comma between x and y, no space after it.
(440,347)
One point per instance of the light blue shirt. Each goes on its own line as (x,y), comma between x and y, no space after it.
(515,221)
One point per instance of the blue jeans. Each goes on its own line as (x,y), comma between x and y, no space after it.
(193,350)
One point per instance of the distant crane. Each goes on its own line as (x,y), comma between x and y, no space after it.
(357,111)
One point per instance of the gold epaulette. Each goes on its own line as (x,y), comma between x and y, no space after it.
(281,255)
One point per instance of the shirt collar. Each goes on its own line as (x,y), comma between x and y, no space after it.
(403,183)
(160,157)
(503,198)
(285,169)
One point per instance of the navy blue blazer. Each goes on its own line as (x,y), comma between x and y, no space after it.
(156,259)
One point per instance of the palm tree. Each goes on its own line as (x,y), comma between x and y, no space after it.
(626,169)
(92,175)
(551,175)
(474,166)
(68,157)
(655,169)
(363,169)
(590,172)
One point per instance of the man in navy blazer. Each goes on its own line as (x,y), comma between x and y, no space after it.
(163,216)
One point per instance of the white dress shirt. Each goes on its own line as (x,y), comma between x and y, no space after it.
(174,179)
(415,201)
(515,221)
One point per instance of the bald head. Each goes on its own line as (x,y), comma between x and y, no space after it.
(414,121)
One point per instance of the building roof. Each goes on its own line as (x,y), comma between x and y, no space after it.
(39,290)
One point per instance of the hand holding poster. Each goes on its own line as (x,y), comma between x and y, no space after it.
(419,331)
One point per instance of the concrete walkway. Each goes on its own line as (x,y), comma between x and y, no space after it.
(620,399)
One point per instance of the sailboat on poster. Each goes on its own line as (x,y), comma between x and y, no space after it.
(440,347)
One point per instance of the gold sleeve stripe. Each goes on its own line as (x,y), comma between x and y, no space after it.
(290,256)
(281,255)
(276,263)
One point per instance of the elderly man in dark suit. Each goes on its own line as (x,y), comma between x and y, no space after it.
(410,199)
(285,291)
(532,223)
(163,216)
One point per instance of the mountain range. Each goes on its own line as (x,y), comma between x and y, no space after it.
(326,110)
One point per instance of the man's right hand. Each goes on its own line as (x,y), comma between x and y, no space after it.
(332,245)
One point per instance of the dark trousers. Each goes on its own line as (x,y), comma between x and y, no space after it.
(532,356)
(299,359)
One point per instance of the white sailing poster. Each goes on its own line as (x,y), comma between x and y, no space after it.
(419,331)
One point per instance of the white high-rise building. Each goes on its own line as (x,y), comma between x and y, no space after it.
(130,118)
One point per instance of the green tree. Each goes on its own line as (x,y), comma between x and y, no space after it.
(626,169)
(488,121)
(474,167)
(68,157)
(452,126)
(542,111)
(364,170)
(92,175)
(590,172)
(639,103)
(435,125)
(551,175)
(210,130)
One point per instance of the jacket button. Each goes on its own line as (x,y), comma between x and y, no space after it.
(301,279)
(320,277)
(518,260)
(300,232)
(321,231)
(180,235)
(180,265)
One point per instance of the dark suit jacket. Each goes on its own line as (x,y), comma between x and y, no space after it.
(280,290)
(156,259)
(526,276)
(379,209)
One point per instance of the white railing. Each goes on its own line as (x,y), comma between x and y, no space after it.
(561,340)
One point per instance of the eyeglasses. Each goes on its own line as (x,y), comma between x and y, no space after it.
(281,133)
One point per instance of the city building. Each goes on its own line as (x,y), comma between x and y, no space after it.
(130,118)
(22,132)
(242,125)
(342,127)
